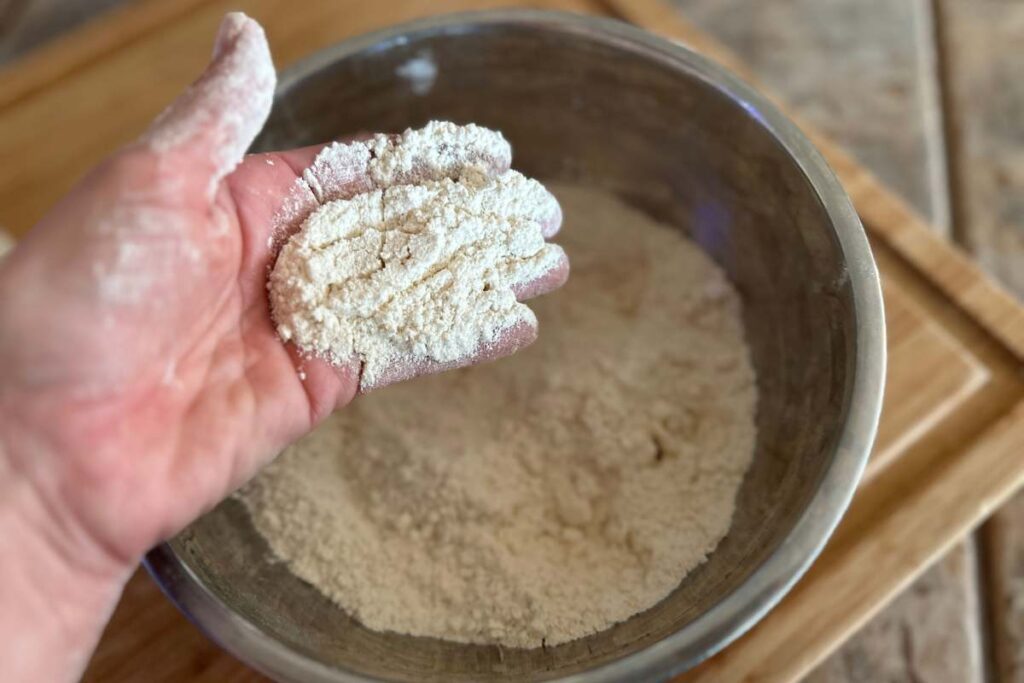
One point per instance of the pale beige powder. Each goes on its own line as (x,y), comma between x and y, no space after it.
(419,266)
(549,495)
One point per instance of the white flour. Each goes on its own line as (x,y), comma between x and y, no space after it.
(549,495)
(416,256)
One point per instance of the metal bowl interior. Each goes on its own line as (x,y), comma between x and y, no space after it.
(599,103)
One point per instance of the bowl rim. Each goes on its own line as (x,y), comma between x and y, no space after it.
(737,612)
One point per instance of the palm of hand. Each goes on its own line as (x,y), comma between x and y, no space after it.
(183,388)
(178,388)
(175,388)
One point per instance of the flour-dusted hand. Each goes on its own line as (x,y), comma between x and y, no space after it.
(420,261)
(143,376)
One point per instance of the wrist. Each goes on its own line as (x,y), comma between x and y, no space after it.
(57,589)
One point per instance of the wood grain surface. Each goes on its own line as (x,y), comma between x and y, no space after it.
(929,633)
(885,213)
(27,23)
(1004,565)
(891,218)
(864,72)
(944,465)
(78,49)
(861,71)
(982,45)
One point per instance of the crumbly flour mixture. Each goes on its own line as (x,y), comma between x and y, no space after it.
(421,264)
(549,495)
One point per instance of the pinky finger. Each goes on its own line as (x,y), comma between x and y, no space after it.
(551,280)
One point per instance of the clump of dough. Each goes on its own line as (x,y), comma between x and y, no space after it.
(421,267)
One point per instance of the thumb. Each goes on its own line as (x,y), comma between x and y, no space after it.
(215,120)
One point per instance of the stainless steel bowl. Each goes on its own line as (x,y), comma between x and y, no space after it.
(599,102)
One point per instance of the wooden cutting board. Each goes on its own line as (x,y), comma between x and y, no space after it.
(951,441)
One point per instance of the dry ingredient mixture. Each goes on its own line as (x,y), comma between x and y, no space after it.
(549,495)
(420,264)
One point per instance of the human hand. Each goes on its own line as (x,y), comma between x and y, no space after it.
(143,377)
